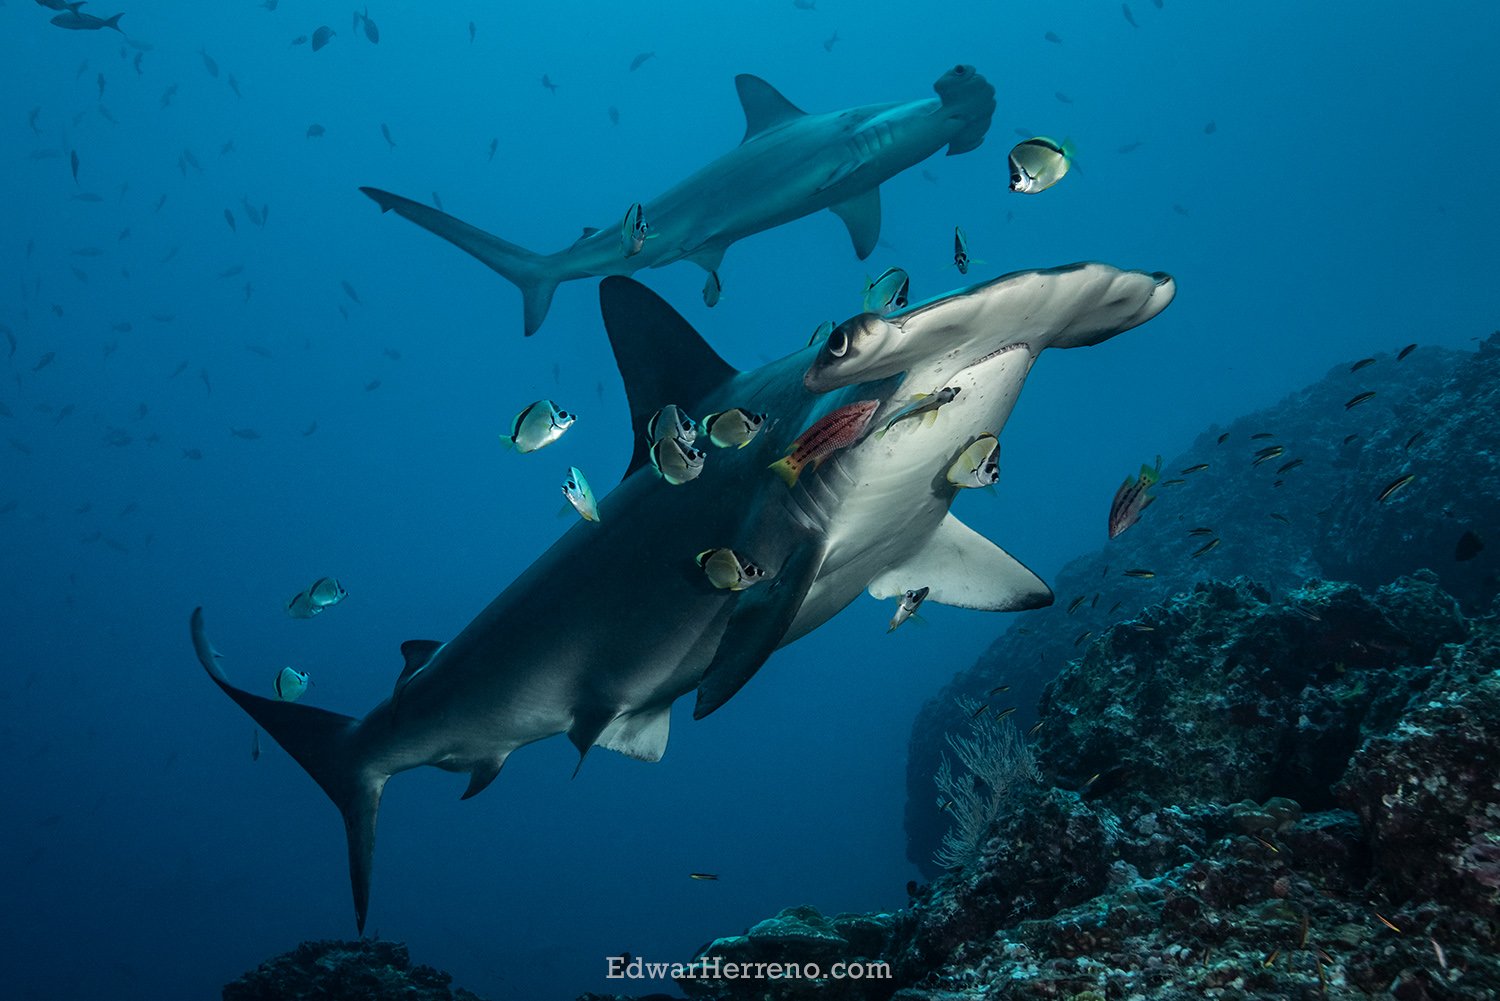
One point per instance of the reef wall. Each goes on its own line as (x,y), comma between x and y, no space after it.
(1434,413)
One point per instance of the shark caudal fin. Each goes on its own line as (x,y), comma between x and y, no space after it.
(322,743)
(536,275)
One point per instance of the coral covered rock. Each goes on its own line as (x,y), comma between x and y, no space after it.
(345,971)
(1251,797)
(1308,512)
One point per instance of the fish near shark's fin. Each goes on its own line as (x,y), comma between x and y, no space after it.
(534,274)
(756,628)
(661,357)
(964,569)
(861,214)
(322,743)
(641,735)
(765,108)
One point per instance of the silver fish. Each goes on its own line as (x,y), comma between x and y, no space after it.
(960,250)
(907,607)
(578,492)
(671,422)
(676,462)
(923,405)
(326,591)
(290,684)
(538,425)
(1037,164)
(977,465)
(736,427)
(887,293)
(728,571)
(634,230)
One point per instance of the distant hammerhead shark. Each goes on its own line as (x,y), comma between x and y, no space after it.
(602,655)
(790,164)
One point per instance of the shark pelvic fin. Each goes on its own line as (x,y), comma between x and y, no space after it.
(322,743)
(417,654)
(641,735)
(756,628)
(861,214)
(661,357)
(588,726)
(481,775)
(765,108)
(534,274)
(964,569)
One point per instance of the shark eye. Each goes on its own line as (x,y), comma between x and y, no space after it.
(958,71)
(838,343)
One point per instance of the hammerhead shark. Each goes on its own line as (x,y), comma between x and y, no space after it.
(602,656)
(790,164)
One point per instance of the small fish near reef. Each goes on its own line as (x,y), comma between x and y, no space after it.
(1132,499)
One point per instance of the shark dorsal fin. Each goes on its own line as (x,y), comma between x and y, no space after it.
(764,106)
(661,357)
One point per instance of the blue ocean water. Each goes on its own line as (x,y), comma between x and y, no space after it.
(1340,205)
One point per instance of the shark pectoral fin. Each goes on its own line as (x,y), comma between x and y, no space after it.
(661,357)
(964,569)
(482,774)
(756,628)
(534,274)
(641,735)
(861,214)
(765,108)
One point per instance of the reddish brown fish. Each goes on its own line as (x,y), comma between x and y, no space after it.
(1131,499)
(837,430)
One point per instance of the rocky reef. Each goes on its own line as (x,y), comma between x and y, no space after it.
(368,970)
(1309,512)
(1267,737)
(1243,794)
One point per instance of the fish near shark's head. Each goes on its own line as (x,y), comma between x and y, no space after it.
(968,103)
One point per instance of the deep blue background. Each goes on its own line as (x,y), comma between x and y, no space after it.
(1344,204)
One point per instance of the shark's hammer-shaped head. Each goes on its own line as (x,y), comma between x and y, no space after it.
(1074,306)
(968,101)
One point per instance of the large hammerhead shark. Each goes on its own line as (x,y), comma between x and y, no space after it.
(790,164)
(601,657)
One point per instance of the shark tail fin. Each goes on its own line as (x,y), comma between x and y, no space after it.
(536,275)
(322,743)
(111,22)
